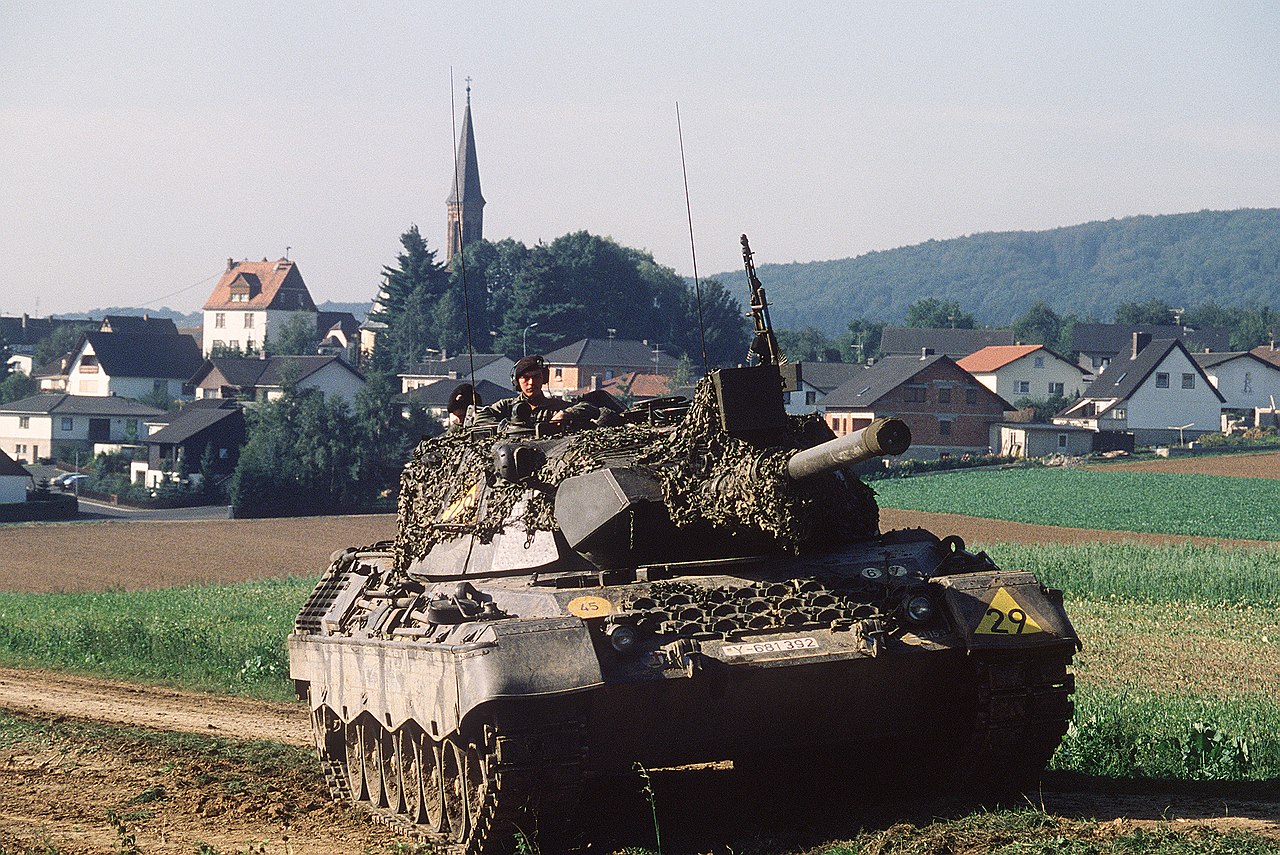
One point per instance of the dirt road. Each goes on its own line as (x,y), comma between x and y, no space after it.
(60,787)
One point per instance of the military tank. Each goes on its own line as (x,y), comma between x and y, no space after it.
(681,582)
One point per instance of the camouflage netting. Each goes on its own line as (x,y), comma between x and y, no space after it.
(706,475)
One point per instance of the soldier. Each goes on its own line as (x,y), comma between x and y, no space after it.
(533,406)
(462,406)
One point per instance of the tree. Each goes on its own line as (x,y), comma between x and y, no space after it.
(1040,325)
(863,339)
(809,345)
(296,338)
(63,339)
(17,386)
(1153,311)
(408,299)
(932,313)
(160,399)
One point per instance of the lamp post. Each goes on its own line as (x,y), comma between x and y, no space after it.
(524,339)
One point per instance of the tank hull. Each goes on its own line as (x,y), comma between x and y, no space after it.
(812,659)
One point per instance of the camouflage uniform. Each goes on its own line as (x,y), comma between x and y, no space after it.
(522,410)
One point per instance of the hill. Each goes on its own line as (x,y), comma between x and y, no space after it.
(1231,258)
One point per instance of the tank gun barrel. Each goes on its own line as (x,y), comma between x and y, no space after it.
(880,438)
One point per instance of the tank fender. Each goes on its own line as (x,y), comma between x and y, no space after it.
(995,610)
(532,658)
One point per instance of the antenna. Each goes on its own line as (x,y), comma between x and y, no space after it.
(462,255)
(697,287)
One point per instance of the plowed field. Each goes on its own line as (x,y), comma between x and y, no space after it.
(1239,465)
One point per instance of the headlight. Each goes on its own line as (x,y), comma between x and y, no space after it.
(920,609)
(623,638)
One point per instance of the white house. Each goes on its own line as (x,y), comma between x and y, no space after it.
(250,300)
(817,380)
(14,480)
(1025,371)
(264,379)
(133,365)
(493,367)
(1157,392)
(39,426)
(1245,379)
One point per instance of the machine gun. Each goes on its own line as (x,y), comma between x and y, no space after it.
(764,345)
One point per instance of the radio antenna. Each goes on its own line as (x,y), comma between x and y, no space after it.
(697,287)
(462,256)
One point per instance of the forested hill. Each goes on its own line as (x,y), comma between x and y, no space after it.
(1231,258)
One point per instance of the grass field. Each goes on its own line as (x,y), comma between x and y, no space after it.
(1180,649)
(1178,504)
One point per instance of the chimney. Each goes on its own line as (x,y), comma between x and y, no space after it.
(595,382)
(1140,340)
(26,317)
(231,262)
(926,352)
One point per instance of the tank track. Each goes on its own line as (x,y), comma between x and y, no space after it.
(504,785)
(1023,709)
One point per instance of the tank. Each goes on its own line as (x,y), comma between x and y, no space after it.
(681,582)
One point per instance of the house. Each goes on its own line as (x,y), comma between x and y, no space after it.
(912,341)
(1157,392)
(251,299)
(434,397)
(491,367)
(23,334)
(573,365)
(1246,380)
(138,325)
(1098,344)
(338,334)
(1036,439)
(58,424)
(133,365)
(1033,371)
(52,376)
(1269,352)
(631,386)
(14,480)
(180,441)
(264,379)
(816,381)
(948,411)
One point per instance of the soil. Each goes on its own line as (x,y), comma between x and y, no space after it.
(57,788)
(1265,464)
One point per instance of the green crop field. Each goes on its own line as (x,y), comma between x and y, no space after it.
(1178,504)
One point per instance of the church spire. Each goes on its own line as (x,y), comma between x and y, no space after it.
(465,204)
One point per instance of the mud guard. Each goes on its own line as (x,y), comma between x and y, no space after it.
(1002,610)
(532,659)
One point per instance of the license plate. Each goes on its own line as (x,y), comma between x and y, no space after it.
(758,648)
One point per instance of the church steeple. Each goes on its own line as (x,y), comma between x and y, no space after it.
(466,205)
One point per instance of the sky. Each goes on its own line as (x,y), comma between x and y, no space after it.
(143,143)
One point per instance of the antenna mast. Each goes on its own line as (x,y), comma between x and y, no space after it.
(697,287)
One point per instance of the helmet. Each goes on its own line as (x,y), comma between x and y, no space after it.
(463,397)
(529,363)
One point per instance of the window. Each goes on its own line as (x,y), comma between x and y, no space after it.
(1162,379)
(219,320)
(559,373)
(944,395)
(250,346)
(1039,362)
(1119,414)
(971,395)
(131,425)
(1057,390)
(1062,440)
(160,387)
(24,422)
(810,397)
(1024,387)
(248,320)
(913,394)
(1188,381)
(219,344)
(68,423)
(944,427)
(786,397)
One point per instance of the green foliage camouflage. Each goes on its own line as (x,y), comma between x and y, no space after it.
(750,492)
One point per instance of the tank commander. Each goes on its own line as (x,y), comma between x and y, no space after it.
(533,406)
